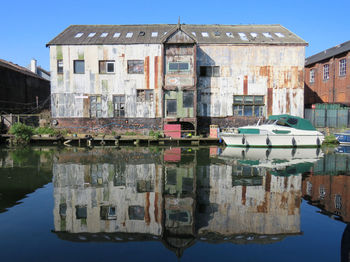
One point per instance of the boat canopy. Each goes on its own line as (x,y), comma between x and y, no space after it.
(293,121)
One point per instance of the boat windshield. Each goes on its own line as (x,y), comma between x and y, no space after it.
(270,122)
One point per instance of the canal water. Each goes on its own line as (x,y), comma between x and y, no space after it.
(171,204)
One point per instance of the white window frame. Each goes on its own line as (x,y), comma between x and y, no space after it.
(326,72)
(312,76)
(107,62)
(342,67)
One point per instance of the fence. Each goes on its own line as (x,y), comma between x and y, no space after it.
(336,118)
(7,120)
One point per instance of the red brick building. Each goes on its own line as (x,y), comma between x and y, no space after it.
(327,77)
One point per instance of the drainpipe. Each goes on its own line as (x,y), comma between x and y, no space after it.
(333,79)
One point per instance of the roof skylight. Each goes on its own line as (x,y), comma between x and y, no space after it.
(78,35)
(279,35)
(91,34)
(129,34)
(103,34)
(194,33)
(116,35)
(254,35)
(268,35)
(154,34)
(205,34)
(229,34)
(243,36)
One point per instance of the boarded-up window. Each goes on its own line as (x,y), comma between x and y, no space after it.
(106,67)
(187,99)
(248,106)
(171,107)
(135,66)
(144,95)
(95,106)
(79,66)
(60,66)
(119,105)
(210,71)
(136,212)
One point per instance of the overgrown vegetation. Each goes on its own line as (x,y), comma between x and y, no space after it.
(130,133)
(155,134)
(330,140)
(46,131)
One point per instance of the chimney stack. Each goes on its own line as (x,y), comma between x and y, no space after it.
(33,66)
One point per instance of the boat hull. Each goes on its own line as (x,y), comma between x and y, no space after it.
(343,138)
(281,140)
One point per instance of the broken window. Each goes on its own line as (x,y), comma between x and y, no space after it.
(80,212)
(342,67)
(312,76)
(248,106)
(59,66)
(119,105)
(135,66)
(326,72)
(210,71)
(337,201)
(143,95)
(106,67)
(63,210)
(187,99)
(95,106)
(79,66)
(108,213)
(171,107)
(136,212)
(178,66)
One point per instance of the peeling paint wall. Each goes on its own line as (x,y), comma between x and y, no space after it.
(70,91)
(276,72)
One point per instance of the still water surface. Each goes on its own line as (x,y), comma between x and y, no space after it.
(170,204)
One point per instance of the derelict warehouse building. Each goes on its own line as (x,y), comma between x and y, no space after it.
(148,76)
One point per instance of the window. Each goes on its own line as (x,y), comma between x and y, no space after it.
(81,212)
(79,66)
(312,76)
(187,99)
(116,35)
(171,107)
(103,35)
(129,34)
(119,179)
(108,213)
(205,34)
(60,66)
(337,201)
(248,106)
(106,67)
(154,34)
(136,213)
(143,186)
(119,105)
(178,66)
(135,67)
(326,72)
(322,191)
(144,96)
(95,106)
(342,67)
(78,35)
(211,71)
(91,34)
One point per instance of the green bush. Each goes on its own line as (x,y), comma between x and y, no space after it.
(45,131)
(22,132)
(330,140)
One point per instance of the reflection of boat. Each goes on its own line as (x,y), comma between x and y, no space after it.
(343,149)
(289,160)
(344,137)
(278,131)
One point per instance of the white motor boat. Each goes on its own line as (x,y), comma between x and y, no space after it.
(278,131)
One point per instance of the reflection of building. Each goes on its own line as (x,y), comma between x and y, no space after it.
(179,199)
(328,185)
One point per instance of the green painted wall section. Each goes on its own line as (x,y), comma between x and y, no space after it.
(81,55)
(59,54)
(181,111)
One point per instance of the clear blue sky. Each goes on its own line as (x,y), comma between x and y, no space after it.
(26,26)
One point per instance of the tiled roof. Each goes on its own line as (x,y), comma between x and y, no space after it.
(154,34)
(328,53)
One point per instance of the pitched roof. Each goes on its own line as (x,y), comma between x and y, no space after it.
(20,69)
(328,53)
(154,34)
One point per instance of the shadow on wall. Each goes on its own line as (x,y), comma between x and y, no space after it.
(310,97)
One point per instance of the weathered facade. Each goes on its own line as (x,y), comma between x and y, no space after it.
(22,91)
(146,76)
(327,79)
